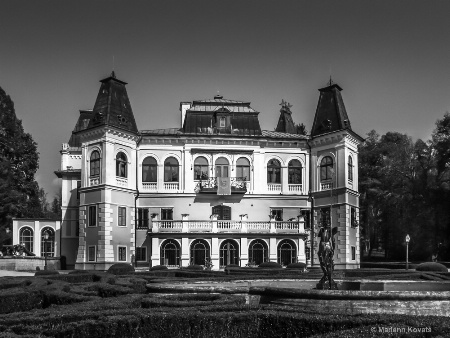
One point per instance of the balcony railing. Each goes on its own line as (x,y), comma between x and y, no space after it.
(122,181)
(238,184)
(94,181)
(171,186)
(326,186)
(227,226)
(149,186)
(275,187)
(295,188)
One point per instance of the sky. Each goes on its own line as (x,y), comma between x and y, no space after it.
(392,59)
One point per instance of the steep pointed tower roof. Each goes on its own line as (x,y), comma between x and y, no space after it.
(112,107)
(285,122)
(330,114)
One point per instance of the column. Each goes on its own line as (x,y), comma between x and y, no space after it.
(272,249)
(184,251)
(215,253)
(244,251)
(155,259)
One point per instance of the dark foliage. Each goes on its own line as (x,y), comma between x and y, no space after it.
(194,267)
(19,191)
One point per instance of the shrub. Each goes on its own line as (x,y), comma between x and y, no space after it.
(431,266)
(78,272)
(301,266)
(191,300)
(232,266)
(17,300)
(158,267)
(194,267)
(46,272)
(121,269)
(270,265)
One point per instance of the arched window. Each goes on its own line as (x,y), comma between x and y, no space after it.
(200,169)
(94,165)
(170,253)
(326,168)
(149,170)
(222,167)
(350,168)
(243,168)
(258,252)
(287,253)
(274,171)
(48,245)
(171,170)
(229,253)
(26,238)
(295,172)
(121,165)
(199,252)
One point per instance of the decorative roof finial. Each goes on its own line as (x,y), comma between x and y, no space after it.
(330,82)
(113,75)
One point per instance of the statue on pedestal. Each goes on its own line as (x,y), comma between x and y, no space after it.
(325,253)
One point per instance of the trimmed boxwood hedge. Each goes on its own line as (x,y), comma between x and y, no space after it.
(194,267)
(432,266)
(46,272)
(301,266)
(270,265)
(191,300)
(120,269)
(158,268)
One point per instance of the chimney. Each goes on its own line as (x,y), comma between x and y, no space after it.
(183,107)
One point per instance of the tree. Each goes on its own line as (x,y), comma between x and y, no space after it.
(19,192)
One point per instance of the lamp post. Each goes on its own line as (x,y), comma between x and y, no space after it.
(45,249)
(407,239)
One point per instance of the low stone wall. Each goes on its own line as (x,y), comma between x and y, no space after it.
(29,263)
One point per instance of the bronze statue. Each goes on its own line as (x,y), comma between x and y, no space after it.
(325,253)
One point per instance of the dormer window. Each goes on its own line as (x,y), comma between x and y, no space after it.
(222,122)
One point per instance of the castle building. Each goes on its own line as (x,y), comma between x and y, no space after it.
(215,190)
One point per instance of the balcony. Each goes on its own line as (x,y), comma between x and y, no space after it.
(295,188)
(274,187)
(149,186)
(326,186)
(222,226)
(209,185)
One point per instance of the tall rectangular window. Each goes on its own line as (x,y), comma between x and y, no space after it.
(353,221)
(122,254)
(167,214)
(353,253)
(122,217)
(92,216)
(141,254)
(142,218)
(92,253)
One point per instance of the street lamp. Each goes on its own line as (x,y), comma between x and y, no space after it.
(407,239)
(45,248)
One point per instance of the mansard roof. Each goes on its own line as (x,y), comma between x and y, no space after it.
(112,107)
(201,117)
(331,114)
(82,124)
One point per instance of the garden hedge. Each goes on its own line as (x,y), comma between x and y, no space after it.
(432,266)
